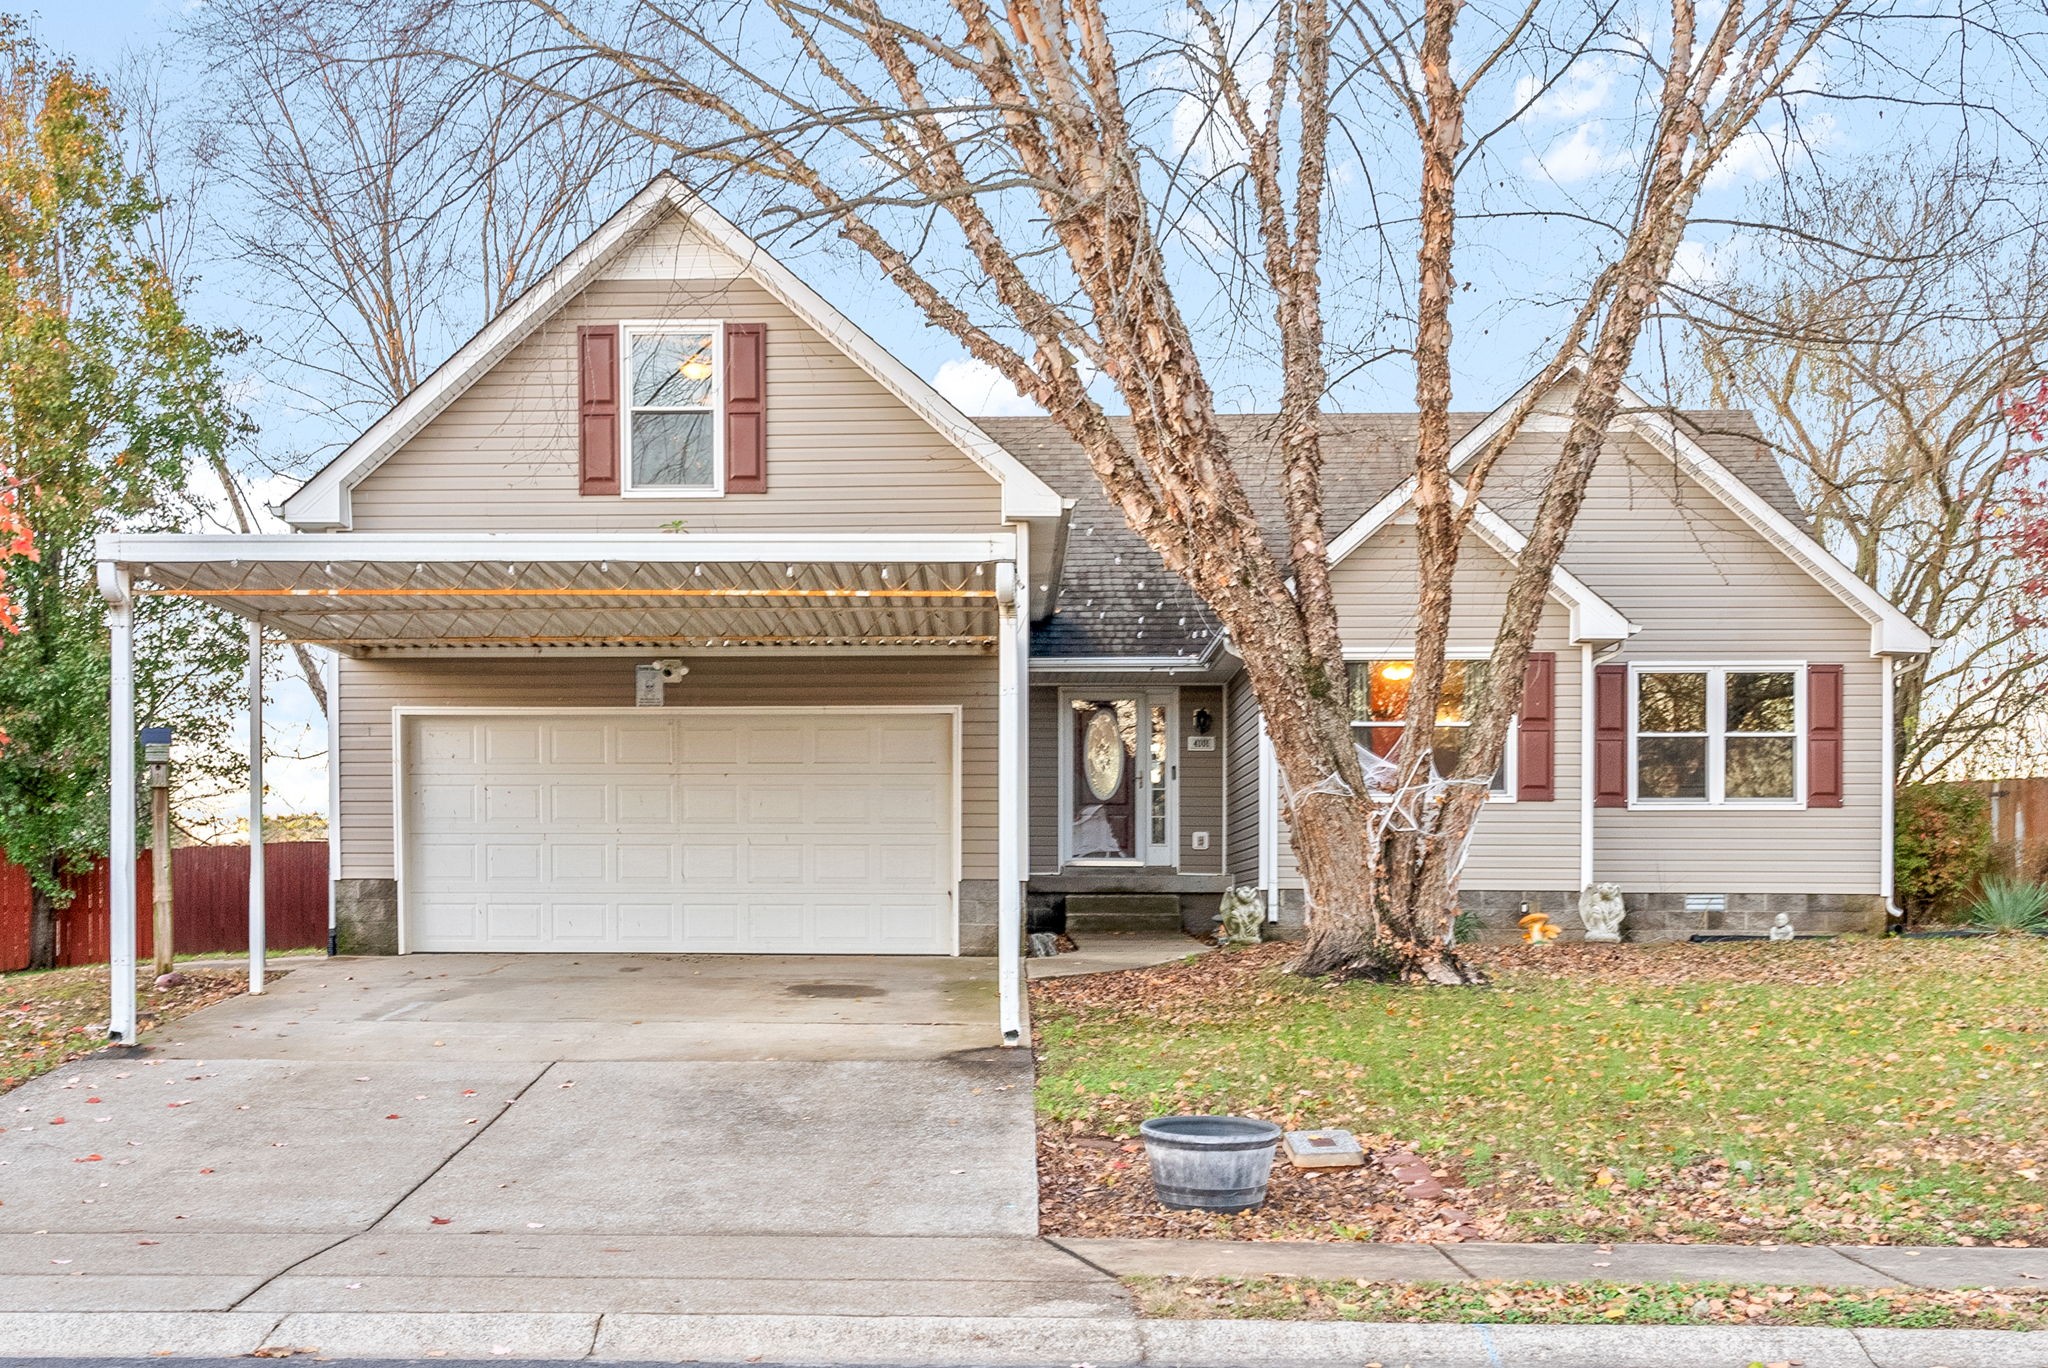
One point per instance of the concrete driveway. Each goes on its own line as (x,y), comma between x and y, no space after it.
(537,1133)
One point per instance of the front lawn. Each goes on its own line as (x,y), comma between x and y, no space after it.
(1851,1091)
(1591,1303)
(52,1015)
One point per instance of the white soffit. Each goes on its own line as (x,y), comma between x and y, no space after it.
(322,503)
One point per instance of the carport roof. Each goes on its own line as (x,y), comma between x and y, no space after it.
(384,595)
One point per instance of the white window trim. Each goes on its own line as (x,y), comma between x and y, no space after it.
(654,327)
(1142,819)
(1510,757)
(1717,734)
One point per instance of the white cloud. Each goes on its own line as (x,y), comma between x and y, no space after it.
(1762,153)
(1577,156)
(1584,91)
(978,390)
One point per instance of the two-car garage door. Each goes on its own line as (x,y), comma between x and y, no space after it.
(679,830)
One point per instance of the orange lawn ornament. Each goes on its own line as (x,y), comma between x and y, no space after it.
(1538,929)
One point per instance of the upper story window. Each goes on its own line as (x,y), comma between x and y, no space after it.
(672,399)
(1379,702)
(1717,734)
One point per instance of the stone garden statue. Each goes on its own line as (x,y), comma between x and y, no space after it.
(1781,928)
(1601,911)
(1243,918)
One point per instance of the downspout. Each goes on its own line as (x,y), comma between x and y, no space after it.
(1587,779)
(1888,782)
(1269,823)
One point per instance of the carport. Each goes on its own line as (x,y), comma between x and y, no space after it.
(632,598)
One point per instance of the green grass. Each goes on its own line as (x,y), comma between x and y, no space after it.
(1588,1303)
(1841,1091)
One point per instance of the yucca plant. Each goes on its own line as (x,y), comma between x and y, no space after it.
(2011,906)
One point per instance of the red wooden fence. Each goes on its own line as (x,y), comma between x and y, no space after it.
(209,904)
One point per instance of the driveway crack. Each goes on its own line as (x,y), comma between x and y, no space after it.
(398,1201)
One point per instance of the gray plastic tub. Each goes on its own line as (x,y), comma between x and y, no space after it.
(1210,1163)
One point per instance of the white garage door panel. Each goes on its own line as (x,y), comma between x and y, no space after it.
(796,833)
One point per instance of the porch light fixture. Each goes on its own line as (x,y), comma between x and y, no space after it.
(1202,721)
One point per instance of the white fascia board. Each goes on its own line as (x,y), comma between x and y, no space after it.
(1891,631)
(1592,618)
(1025,495)
(322,502)
(795,548)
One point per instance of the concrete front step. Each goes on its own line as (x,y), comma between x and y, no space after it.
(1157,913)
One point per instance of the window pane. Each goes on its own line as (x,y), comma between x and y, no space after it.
(1156,777)
(672,370)
(672,449)
(1759,767)
(1464,686)
(1379,690)
(1671,702)
(1671,767)
(1761,703)
(1450,753)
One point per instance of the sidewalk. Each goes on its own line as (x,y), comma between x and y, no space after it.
(957,1342)
(1934,1266)
(931,1301)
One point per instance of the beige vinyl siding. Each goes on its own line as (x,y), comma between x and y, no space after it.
(843,453)
(1201,783)
(1045,780)
(370,689)
(1710,590)
(1707,589)
(1516,845)
(1241,783)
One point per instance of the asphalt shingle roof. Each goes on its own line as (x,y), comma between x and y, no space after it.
(1116,597)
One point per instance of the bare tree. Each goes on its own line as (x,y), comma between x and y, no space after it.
(1880,351)
(1025,175)
(176,176)
(384,200)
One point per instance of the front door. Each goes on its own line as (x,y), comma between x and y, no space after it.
(1121,783)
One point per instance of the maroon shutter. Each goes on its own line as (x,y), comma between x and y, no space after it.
(597,366)
(1610,736)
(1824,736)
(746,408)
(1536,749)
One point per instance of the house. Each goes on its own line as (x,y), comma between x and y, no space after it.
(675,614)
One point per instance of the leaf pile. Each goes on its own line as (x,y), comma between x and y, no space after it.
(57,1015)
(1867,1092)
(1588,1303)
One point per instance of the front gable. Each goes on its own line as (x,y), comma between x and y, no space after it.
(490,441)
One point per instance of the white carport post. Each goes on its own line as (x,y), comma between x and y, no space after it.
(121,802)
(256,928)
(1009,793)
